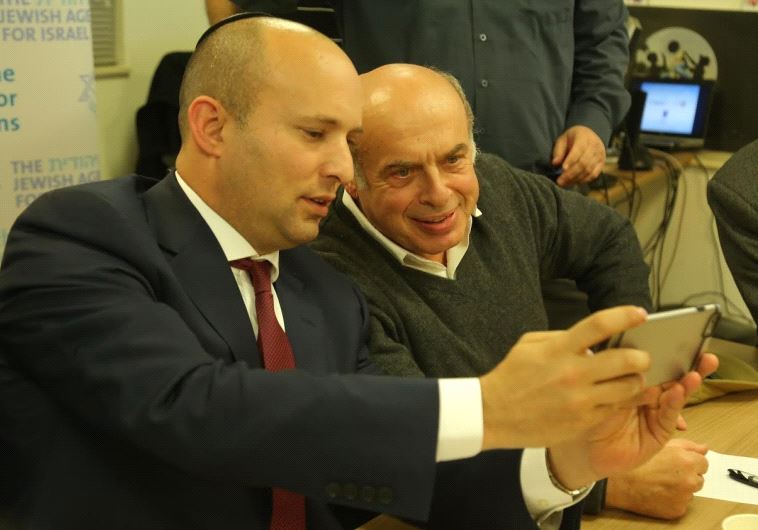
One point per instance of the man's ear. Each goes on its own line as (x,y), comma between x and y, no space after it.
(206,118)
(352,188)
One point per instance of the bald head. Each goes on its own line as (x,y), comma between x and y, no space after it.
(233,63)
(270,109)
(400,94)
(391,87)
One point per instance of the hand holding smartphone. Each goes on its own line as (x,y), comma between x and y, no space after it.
(674,340)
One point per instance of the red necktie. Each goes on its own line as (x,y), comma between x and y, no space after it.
(288,510)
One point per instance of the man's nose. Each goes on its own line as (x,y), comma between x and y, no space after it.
(435,191)
(340,162)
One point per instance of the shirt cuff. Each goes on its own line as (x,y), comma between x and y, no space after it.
(542,498)
(461,424)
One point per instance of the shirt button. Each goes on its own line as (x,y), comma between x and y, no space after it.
(485,83)
(482,37)
(333,490)
(350,491)
(368,493)
(385,495)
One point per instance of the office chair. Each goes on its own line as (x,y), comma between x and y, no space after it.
(158,138)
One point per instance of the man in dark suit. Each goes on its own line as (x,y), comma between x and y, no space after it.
(134,337)
(733,197)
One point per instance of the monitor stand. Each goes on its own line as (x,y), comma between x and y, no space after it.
(634,156)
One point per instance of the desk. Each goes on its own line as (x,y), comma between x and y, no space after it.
(627,180)
(727,425)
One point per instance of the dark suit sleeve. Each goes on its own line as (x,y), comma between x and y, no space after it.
(87,312)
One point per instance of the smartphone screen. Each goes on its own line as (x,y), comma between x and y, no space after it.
(674,340)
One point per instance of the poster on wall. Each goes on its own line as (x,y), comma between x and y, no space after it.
(48,131)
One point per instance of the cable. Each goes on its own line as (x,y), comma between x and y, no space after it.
(730,306)
(654,247)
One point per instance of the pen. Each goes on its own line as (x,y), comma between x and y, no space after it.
(745,478)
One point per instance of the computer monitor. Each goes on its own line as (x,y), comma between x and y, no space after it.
(675,113)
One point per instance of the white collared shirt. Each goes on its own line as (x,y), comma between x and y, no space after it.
(236,247)
(408,259)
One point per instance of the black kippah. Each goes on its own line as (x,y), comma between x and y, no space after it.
(228,20)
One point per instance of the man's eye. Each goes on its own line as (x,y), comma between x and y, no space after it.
(402,172)
(452,160)
(313,133)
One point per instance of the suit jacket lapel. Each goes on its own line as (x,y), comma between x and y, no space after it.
(200,266)
(301,316)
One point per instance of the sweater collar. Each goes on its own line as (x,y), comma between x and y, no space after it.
(454,255)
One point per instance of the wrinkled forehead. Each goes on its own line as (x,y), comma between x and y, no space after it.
(412,127)
(402,101)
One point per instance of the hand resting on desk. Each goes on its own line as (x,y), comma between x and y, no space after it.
(664,486)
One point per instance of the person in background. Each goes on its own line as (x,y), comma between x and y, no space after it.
(450,247)
(217,10)
(546,79)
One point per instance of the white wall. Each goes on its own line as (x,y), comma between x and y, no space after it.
(152,28)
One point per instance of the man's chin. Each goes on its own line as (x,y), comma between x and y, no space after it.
(303,234)
(433,253)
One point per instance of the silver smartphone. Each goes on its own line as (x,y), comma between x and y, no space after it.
(674,340)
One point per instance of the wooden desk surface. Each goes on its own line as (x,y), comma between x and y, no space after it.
(728,425)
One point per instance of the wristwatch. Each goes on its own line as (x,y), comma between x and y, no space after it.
(561,487)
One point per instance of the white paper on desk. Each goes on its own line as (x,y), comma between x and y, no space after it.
(718,485)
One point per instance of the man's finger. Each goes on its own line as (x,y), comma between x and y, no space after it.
(559,150)
(709,363)
(622,392)
(593,171)
(538,336)
(689,445)
(671,404)
(572,163)
(621,362)
(600,326)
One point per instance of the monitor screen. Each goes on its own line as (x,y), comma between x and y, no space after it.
(669,108)
(675,111)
